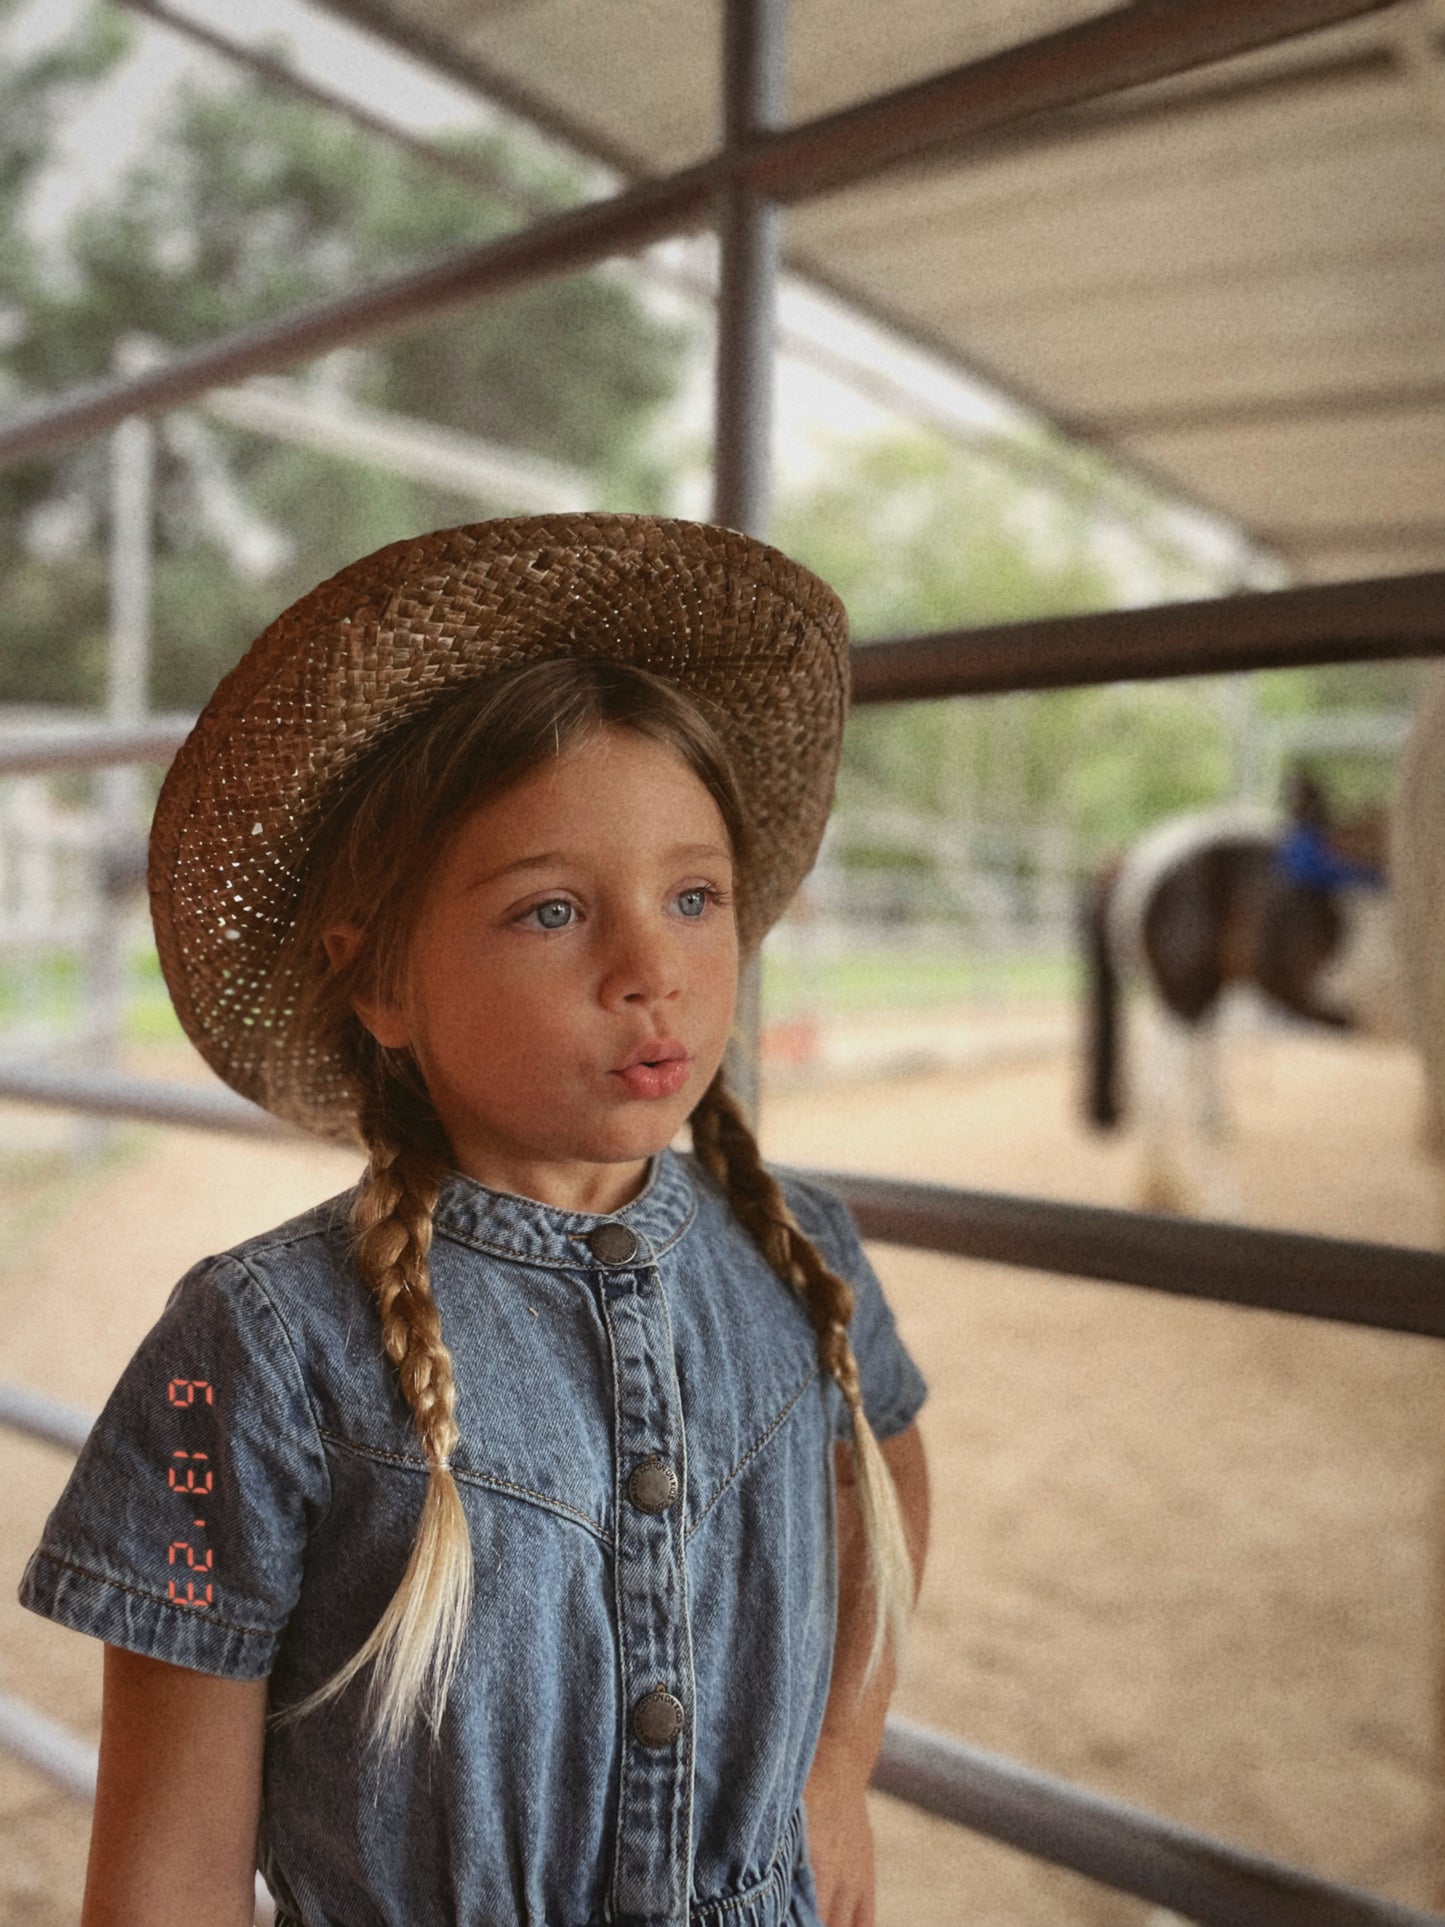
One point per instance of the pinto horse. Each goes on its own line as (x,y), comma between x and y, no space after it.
(1219,898)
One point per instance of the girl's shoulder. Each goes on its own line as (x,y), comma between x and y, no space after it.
(315,1238)
(817,1207)
(295,1277)
(324,1223)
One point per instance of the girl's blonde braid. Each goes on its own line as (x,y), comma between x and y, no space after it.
(727,1148)
(418,1640)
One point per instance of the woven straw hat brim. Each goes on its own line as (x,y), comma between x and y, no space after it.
(726,618)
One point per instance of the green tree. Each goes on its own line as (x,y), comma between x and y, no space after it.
(249,206)
(37,92)
(918,535)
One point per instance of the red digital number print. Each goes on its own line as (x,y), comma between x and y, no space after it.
(189,1598)
(191,1477)
(191,1386)
(190,1472)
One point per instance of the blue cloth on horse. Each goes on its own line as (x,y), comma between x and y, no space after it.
(1305,857)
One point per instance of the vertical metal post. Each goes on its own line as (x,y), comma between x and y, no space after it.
(128,668)
(748,233)
(131,474)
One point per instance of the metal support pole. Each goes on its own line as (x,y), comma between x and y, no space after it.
(749,230)
(132,463)
(130,571)
(749,237)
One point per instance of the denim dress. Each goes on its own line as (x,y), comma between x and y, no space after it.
(645,1462)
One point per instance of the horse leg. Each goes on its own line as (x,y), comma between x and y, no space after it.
(1102,1013)
(1217,1182)
(1213,1109)
(1183,942)
(1167,1181)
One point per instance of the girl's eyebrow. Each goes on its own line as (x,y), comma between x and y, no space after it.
(546,859)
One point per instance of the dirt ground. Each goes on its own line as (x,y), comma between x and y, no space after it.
(1185,1554)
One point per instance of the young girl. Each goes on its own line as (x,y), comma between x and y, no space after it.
(507,1541)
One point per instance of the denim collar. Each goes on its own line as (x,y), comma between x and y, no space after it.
(510,1226)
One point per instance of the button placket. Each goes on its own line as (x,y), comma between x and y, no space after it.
(653,1859)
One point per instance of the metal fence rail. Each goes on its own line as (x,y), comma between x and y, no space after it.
(1122,1846)
(204,1107)
(1386,1287)
(1398,615)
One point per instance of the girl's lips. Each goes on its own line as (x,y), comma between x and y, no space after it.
(656,1080)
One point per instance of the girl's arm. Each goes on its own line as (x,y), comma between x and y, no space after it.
(840,1836)
(178,1800)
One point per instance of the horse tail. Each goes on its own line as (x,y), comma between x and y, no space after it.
(1101,1005)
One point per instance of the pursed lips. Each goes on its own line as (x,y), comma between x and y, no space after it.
(654,1051)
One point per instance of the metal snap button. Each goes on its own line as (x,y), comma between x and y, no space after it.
(652,1486)
(612,1244)
(657,1718)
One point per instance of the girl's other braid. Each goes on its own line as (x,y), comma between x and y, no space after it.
(728,1150)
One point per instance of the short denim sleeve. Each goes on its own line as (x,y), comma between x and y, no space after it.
(893,1387)
(182,1529)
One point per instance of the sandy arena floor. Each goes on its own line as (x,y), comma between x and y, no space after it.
(1187,1555)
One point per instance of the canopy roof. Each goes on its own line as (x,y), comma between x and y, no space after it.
(1235,279)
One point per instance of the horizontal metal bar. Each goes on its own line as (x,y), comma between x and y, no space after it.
(1391,616)
(110,1094)
(52,1749)
(470,68)
(567,242)
(1122,1846)
(1386,1287)
(40,1417)
(401,444)
(1312,406)
(1400,615)
(93,745)
(1126,47)
(1148,41)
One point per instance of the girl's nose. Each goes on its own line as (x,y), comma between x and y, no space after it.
(642,967)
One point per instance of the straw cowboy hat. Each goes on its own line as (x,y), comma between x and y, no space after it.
(726,618)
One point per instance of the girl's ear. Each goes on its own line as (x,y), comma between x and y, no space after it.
(341,941)
(382,1018)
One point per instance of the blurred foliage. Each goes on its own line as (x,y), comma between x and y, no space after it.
(919,535)
(248,206)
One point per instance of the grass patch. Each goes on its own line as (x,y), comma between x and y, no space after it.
(902,980)
(50,989)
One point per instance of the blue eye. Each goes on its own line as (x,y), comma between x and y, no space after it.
(698,897)
(540,913)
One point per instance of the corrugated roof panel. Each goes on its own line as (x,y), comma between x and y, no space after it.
(644,73)
(1236,276)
